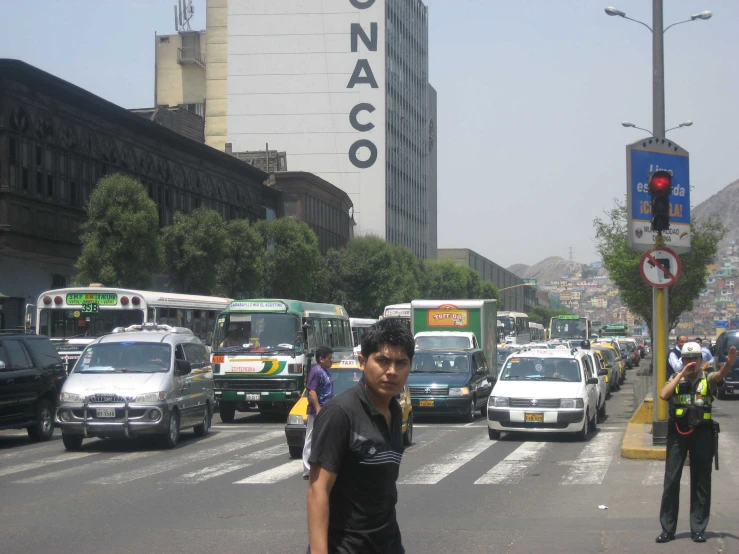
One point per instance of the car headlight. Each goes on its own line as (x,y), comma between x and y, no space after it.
(150,397)
(295,420)
(499,401)
(571,403)
(71,398)
(460,391)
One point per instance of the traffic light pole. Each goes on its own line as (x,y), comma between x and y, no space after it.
(659,295)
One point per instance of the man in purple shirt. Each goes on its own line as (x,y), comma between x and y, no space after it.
(320,390)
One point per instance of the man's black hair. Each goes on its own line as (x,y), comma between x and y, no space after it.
(388,331)
(323,352)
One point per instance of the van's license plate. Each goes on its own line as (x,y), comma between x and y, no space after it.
(105,412)
(253,397)
(429,403)
(534,417)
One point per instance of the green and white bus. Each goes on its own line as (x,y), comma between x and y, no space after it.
(615,330)
(264,348)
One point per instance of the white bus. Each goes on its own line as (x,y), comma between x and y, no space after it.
(359,328)
(537,332)
(515,327)
(73,317)
(398,311)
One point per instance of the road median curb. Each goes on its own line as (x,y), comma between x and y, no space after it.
(637,441)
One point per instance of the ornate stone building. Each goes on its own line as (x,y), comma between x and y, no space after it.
(57,140)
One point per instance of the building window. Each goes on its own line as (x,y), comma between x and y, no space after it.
(73,193)
(24,178)
(50,186)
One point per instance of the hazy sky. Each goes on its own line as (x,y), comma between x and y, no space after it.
(531,95)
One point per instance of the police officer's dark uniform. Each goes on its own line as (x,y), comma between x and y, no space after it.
(690,429)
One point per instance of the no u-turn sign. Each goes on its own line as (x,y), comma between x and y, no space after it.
(660,267)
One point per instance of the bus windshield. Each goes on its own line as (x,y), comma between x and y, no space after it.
(72,323)
(509,324)
(257,332)
(569,329)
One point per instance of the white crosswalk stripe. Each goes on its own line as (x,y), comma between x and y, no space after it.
(591,466)
(227,467)
(18,468)
(430,474)
(513,468)
(280,473)
(87,468)
(174,463)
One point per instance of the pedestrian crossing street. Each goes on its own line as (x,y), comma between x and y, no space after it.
(258,455)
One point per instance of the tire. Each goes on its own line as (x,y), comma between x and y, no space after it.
(170,439)
(43,429)
(408,435)
(493,435)
(602,412)
(227,411)
(593,423)
(469,417)
(582,435)
(202,429)
(295,451)
(73,443)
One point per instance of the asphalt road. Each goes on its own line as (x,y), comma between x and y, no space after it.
(237,490)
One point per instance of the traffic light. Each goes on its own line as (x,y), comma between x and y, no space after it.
(660,188)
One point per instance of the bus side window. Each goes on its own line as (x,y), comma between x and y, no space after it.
(328,332)
(313,334)
(348,342)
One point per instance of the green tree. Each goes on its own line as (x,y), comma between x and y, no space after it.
(120,239)
(446,280)
(194,247)
(369,274)
(240,273)
(292,259)
(622,264)
(543,315)
(489,290)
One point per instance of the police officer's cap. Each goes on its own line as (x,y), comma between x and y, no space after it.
(691,350)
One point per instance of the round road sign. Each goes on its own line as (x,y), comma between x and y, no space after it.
(660,267)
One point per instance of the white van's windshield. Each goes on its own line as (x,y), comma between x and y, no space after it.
(125,357)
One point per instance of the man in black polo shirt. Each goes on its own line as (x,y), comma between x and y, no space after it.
(356,452)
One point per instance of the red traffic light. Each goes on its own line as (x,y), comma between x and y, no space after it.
(660,182)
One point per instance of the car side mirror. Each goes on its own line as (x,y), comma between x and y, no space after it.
(182,367)
(592,381)
(603,372)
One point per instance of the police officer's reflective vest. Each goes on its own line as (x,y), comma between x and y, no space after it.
(686,399)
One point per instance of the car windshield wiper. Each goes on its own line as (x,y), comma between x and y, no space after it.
(554,379)
(234,349)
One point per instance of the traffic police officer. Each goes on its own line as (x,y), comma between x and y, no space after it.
(690,429)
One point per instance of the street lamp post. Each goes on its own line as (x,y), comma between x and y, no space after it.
(659,295)
(687,123)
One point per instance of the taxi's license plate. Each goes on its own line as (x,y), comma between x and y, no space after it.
(105,412)
(533,417)
(427,403)
(253,397)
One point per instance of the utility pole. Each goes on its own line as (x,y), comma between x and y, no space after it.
(660,308)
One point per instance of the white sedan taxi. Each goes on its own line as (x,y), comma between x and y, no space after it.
(545,391)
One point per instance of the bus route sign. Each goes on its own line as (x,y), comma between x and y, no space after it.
(642,159)
(99,298)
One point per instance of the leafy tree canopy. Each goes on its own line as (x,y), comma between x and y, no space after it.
(622,264)
(240,273)
(292,259)
(120,239)
(194,246)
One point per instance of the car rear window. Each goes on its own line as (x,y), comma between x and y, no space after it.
(44,352)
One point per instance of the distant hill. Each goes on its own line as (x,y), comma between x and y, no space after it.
(724,206)
(550,269)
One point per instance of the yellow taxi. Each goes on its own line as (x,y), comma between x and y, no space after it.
(619,360)
(344,374)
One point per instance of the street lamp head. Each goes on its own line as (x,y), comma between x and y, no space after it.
(705,14)
(687,123)
(627,124)
(610,10)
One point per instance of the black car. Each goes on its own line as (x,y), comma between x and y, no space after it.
(450,382)
(730,386)
(31,376)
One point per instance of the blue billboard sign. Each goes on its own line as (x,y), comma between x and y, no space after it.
(644,158)
(721,324)
(735,322)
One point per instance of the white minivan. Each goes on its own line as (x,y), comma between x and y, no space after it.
(146,379)
(545,391)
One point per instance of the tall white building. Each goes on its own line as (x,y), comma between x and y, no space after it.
(342,87)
